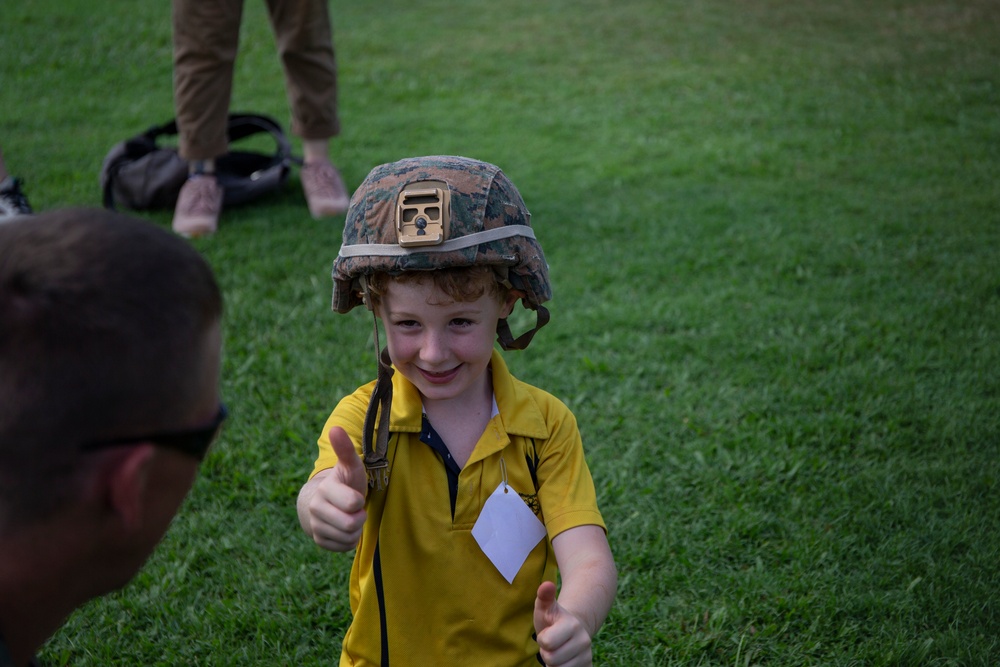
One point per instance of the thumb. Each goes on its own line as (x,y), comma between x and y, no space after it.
(546,608)
(350,467)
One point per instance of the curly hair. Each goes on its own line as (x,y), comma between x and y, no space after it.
(462,284)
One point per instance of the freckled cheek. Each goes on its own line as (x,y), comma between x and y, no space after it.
(404,348)
(474,350)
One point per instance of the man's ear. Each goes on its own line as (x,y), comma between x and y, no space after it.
(126,478)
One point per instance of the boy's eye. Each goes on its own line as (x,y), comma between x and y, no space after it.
(461,322)
(406,323)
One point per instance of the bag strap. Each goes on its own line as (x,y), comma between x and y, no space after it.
(243,125)
(166,129)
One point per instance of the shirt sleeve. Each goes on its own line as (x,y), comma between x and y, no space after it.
(565,487)
(348,415)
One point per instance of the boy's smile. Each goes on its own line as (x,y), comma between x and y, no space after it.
(440,345)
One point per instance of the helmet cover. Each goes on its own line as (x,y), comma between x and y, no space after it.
(438,212)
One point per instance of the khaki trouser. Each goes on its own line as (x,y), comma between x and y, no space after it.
(206,41)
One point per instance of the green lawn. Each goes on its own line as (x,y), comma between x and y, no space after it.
(773,234)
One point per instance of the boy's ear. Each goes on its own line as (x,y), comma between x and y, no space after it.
(508,306)
(126,478)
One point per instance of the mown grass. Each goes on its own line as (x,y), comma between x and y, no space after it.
(772,231)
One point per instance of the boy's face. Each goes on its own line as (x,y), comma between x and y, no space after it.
(442,346)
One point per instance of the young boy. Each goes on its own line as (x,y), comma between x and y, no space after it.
(473,493)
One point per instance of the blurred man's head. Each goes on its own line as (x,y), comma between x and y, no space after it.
(109,371)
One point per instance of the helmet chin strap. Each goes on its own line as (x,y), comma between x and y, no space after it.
(376,444)
(506,338)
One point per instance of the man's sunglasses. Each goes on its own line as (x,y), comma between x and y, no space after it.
(194,442)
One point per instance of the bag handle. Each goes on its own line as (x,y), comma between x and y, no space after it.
(243,125)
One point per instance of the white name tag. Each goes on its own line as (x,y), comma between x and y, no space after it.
(507,531)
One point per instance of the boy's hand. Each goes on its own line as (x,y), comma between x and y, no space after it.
(562,638)
(336,510)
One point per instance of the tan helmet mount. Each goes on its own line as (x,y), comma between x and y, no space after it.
(422,214)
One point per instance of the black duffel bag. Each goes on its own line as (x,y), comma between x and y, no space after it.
(139,174)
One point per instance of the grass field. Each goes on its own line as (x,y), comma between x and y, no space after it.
(773,234)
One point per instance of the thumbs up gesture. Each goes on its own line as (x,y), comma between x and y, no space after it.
(332,504)
(562,638)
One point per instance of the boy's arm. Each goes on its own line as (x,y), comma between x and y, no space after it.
(331,504)
(589,582)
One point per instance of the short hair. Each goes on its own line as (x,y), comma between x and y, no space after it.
(463,284)
(103,319)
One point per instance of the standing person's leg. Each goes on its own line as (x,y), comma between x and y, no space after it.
(304,36)
(206,43)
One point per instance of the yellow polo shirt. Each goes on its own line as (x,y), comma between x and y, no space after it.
(422,590)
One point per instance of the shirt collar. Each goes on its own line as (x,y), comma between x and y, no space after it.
(515,406)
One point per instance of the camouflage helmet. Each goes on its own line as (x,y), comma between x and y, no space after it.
(441,212)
